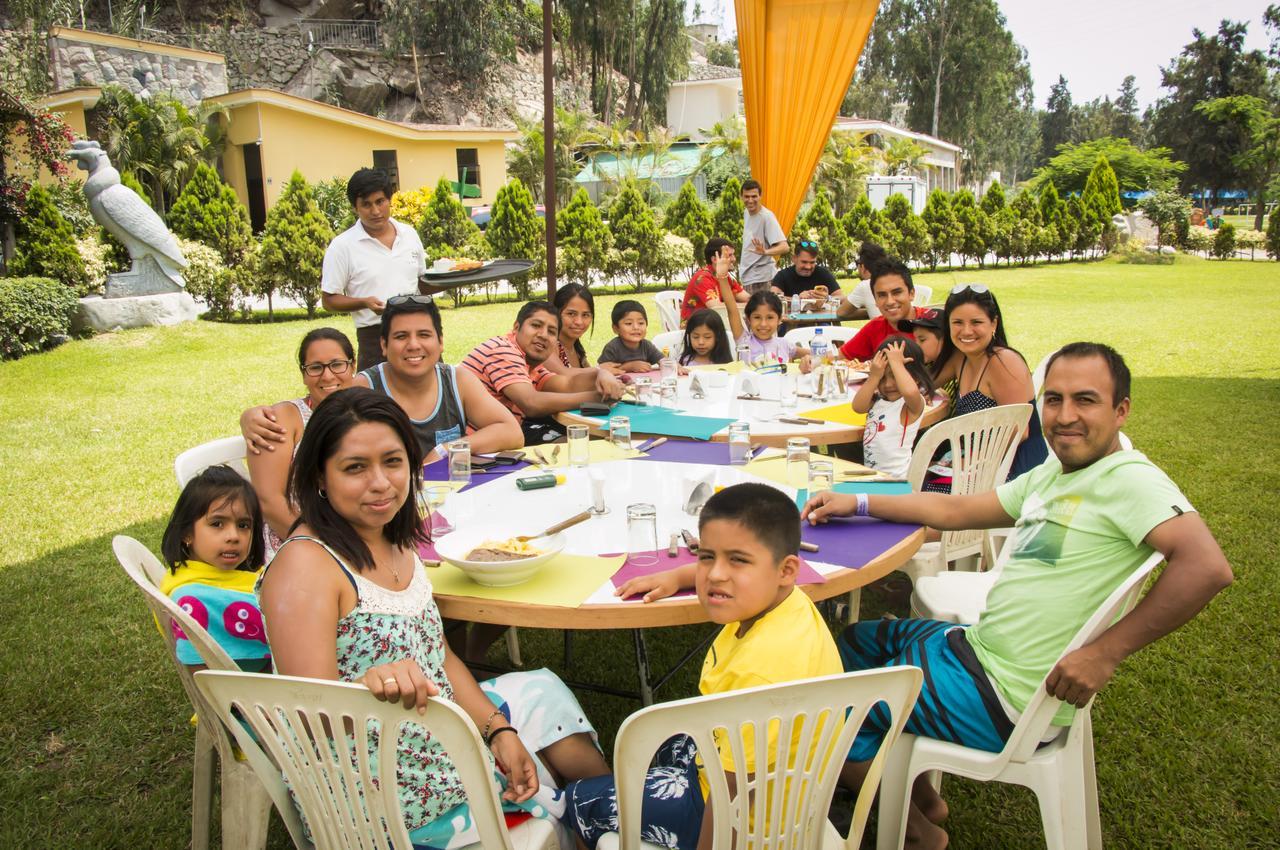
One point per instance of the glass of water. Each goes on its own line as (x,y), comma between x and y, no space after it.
(798,462)
(436,495)
(579,452)
(787,388)
(644,390)
(821,476)
(460,462)
(739,442)
(667,365)
(744,353)
(668,392)
(620,432)
(642,535)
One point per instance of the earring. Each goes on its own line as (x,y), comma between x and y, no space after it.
(323,494)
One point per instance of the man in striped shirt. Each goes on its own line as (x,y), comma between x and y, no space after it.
(510,367)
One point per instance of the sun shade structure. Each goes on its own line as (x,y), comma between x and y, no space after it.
(798,57)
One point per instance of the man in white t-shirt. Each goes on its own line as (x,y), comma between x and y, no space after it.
(373,260)
(762,241)
(860,303)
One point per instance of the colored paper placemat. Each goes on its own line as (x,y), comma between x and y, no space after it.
(732,368)
(598,451)
(437,472)
(806,575)
(874,488)
(773,466)
(842,413)
(565,582)
(649,419)
(853,541)
(689,451)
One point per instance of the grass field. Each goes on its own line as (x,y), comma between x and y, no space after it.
(95,749)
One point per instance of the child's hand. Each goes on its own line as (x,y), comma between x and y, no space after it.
(656,586)
(681,371)
(806,364)
(723,265)
(893,354)
(879,364)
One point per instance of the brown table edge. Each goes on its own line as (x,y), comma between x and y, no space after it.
(644,616)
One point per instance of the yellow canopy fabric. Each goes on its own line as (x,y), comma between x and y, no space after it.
(798,57)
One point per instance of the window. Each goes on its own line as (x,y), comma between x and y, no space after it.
(469,171)
(386,160)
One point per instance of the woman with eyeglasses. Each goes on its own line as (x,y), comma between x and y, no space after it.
(988,373)
(326,360)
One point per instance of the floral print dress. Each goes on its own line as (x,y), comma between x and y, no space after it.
(389,625)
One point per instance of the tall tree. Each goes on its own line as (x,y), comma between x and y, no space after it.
(1126,124)
(1136,170)
(728,217)
(689,217)
(1055,122)
(1260,123)
(583,242)
(516,231)
(946,234)
(1211,66)
(209,211)
(635,233)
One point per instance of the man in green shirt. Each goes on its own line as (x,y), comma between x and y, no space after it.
(1084,520)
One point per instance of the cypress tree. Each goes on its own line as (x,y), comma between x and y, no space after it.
(515,231)
(583,242)
(293,246)
(209,211)
(689,217)
(635,232)
(1104,187)
(993,201)
(728,218)
(946,233)
(445,225)
(833,241)
(46,244)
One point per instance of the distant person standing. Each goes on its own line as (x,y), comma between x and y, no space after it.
(762,241)
(373,260)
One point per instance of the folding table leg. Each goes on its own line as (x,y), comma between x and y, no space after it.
(642,667)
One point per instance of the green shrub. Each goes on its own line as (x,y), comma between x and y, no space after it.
(1224,242)
(209,211)
(1135,253)
(47,244)
(673,258)
(34,313)
(208,280)
(1273,235)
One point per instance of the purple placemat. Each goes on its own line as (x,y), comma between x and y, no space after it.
(690,451)
(427,551)
(852,542)
(807,574)
(438,470)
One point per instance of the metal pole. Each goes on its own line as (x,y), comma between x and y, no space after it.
(549,143)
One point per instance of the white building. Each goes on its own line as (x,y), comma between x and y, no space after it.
(941,159)
(711,94)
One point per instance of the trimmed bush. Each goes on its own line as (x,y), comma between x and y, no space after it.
(1224,242)
(47,244)
(209,211)
(34,313)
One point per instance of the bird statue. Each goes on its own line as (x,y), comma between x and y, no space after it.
(125,215)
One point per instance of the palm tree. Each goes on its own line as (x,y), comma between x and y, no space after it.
(902,156)
(842,171)
(524,162)
(726,138)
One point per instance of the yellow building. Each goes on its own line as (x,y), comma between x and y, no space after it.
(270,134)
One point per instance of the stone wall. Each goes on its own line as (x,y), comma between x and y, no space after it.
(76,63)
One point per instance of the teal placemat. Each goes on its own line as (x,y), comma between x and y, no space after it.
(874,488)
(648,419)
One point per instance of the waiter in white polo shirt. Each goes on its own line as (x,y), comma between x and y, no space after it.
(375,259)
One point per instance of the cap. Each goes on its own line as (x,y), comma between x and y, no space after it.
(926,318)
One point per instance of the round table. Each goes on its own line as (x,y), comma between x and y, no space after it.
(723,401)
(663,479)
(433,283)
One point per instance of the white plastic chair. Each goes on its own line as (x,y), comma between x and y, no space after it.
(671,340)
(797,790)
(982,448)
(228,450)
(961,597)
(922,295)
(835,335)
(668,302)
(330,770)
(246,807)
(1060,773)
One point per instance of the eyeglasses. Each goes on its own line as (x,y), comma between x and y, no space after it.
(396,300)
(337,367)
(808,244)
(976,288)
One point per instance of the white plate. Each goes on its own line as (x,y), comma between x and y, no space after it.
(853,376)
(453,547)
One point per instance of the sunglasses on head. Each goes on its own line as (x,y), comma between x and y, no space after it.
(396,300)
(807,243)
(976,288)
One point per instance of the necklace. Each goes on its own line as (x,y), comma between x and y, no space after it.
(395,574)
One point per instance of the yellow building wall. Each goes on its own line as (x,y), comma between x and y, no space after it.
(244,127)
(322,149)
(73,115)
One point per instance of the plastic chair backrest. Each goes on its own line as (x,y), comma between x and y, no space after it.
(793,793)
(228,450)
(982,446)
(922,295)
(1037,716)
(670,340)
(835,335)
(316,731)
(668,302)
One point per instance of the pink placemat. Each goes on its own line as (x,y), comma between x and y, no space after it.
(427,551)
(807,574)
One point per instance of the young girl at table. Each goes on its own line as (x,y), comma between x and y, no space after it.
(214,548)
(705,342)
(894,397)
(764,314)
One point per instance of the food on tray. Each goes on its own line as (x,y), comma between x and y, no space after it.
(503,550)
(462,264)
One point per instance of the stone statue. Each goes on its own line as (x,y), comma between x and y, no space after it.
(157,259)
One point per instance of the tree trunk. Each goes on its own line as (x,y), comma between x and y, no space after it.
(271,313)
(1258,213)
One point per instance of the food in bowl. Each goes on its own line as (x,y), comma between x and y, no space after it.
(494,551)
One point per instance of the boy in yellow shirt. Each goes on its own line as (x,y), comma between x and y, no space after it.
(745,578)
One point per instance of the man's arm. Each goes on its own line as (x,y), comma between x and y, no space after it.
(535,402)
(942,511)
(339,303)
(1196,571)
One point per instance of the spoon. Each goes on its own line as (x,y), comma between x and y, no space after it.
(560,526)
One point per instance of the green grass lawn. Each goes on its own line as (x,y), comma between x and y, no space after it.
(95,748)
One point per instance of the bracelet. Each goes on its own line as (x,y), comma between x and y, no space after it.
(488,722)
(863,505)
(488,739)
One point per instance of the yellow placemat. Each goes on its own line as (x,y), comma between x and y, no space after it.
(773,466)
(842,413)
(565,581)
(732,368)
(597,450)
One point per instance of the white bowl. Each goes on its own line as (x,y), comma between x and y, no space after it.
(453,547)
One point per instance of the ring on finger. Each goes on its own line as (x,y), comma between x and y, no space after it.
(390,680)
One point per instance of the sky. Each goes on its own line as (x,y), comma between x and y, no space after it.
(1096,43)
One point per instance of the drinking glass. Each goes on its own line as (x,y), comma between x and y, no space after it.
(798,462)
(667,365)
(668,392)
(579,453)
(597,476)
(644,390)
(744,353)
(436,495)
(620,432)
(642,535)
(821,476)
(739,442)
(460,462)
(787,389)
